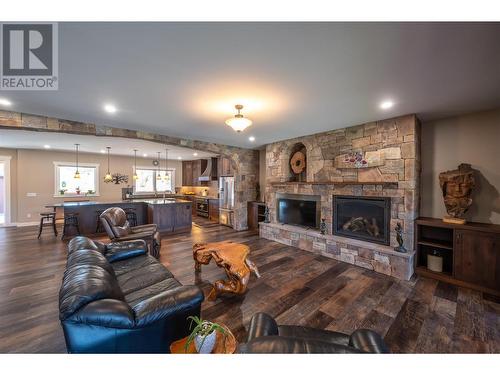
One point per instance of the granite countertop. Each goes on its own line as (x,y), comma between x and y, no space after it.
(164,201)
(156,201)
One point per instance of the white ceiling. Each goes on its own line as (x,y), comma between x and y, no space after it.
(25,139)
(182,79)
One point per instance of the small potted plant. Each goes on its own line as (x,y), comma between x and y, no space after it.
(204,334)
(62,191)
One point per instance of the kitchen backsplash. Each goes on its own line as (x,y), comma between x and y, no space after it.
(212,189)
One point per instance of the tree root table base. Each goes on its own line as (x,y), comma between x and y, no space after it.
(231,256)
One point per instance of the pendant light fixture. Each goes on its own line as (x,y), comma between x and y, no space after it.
(135,177)
(238,122)
(165,178)
(77,173)
(158,176)
(108,178)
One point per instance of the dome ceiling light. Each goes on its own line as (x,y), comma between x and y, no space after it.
(238,122)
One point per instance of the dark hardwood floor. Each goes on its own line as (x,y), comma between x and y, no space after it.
(296,287)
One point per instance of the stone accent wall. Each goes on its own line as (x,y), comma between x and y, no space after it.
(245,162)
(392,150)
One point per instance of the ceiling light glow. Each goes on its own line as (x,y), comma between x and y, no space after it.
(386,104)
(195,154)
(110,108)
(46,146)
(178,157)
(251,138)
(5,102)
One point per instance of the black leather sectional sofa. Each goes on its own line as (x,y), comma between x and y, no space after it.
(118,299)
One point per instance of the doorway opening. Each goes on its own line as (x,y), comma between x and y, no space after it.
(4,190)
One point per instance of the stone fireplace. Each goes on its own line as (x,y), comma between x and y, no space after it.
(362,218)
(379,160)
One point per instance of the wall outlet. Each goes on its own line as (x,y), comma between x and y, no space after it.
(31,194)
(28,215)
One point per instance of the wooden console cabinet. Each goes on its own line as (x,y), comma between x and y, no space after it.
(470,252)
(255,212)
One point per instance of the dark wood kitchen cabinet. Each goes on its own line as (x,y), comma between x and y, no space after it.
(470,253)
(213,210)
(183,217)
(187,173)
(191,171)
(224,167)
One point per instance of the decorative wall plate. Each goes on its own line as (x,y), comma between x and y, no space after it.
(298,162)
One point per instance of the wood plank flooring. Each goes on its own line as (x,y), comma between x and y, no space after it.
(296,287)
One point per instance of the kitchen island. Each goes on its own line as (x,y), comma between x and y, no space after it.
(169,214)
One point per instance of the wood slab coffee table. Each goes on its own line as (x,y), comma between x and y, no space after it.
(231,256)
(224,344)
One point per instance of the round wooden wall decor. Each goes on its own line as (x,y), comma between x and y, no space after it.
(298,162)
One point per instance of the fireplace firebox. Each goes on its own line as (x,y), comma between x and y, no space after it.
(362,218)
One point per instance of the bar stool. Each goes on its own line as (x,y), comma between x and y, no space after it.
(131,216)
(47,219)
(70,221)
(98,225)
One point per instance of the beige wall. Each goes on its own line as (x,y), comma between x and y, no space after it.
(474,139)
(32,171)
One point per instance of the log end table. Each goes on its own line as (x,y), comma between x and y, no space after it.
(231,256)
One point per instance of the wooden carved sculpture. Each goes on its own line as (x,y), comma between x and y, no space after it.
(457,186)
(298,162)
(233,257)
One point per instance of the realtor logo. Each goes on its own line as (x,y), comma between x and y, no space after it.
(29,59)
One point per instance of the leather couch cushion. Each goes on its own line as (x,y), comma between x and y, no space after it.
(84,284)
(150,291)
(127,265)
(88,257)
(309,333)
(125,250)
(143,277)
(81,242)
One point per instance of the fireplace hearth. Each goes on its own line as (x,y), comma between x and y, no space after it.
(362,218)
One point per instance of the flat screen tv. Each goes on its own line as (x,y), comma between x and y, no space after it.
(298,212)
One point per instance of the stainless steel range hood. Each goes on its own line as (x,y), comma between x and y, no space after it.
(210,173)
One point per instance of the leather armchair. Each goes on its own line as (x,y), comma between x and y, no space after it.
(118,299)
(114,221)
(266,336)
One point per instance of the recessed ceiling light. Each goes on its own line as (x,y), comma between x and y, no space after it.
(5,102)
(46,146)
(110,108)
(386,104)
(178,157)
(145,155)
(195,154)
(103,151)
(251,138)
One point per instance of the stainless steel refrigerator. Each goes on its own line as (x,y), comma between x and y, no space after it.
(226,201)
